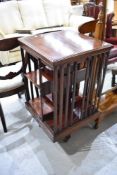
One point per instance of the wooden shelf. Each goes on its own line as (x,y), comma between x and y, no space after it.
(34,106)
(34,76)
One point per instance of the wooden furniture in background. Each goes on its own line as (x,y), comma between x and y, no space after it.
(113,40)
(89,10)
(74,2)
(93,9)
(115,10)
(109,103)
(94,28)
(11,81)
(57,96)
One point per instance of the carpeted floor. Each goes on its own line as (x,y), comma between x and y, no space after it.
(27,150)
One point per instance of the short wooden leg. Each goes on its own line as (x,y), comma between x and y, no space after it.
(3,119)
(66,138)
(96,125)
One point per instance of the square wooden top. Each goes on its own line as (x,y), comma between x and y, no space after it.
(61,47)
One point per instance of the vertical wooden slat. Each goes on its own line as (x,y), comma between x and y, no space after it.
(94,69)
(89,84)
(93,81)
(61,97)
(67,99)
(103,72)
(88,69)
(55,97)
(97,82)
(74,91)
(40,81)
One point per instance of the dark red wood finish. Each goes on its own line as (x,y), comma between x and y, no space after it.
(67,94)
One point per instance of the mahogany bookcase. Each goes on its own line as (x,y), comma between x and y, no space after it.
(63,73)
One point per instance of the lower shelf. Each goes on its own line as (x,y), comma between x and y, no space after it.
(34,106)
(63,124)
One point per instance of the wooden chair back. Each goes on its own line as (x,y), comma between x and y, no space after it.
(91,9)
(7,75)
(94,28)
(109,25)
(7,44)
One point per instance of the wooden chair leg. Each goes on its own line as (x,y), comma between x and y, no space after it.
(3,119)
(114,73)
